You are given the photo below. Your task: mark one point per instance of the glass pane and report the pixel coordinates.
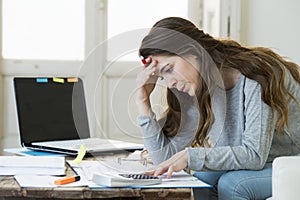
(47, 29)
(129, 15)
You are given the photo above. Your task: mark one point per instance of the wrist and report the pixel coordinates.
(144, 108)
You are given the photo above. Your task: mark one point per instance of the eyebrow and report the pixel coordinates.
(163, 68)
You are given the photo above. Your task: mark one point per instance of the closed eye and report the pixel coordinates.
(169, 70)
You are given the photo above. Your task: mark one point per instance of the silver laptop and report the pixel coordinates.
(52, 116)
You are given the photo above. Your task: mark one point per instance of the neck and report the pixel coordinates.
(230, 77)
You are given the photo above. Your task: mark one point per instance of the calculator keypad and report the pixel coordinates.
(138, 176)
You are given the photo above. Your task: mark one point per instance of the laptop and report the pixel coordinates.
(52, 116)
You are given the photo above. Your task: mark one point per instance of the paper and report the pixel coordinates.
(58, 80)
(110, 166)
(29, 152)
(42, 80)
(72, 80)
(179, 179)
(43, 181)
(38, 165)
(80, 156)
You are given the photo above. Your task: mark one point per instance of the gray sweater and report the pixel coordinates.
(243, 135)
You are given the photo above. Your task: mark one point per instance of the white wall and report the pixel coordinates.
(273, 24)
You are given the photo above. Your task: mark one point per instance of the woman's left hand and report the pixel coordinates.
(176, 163)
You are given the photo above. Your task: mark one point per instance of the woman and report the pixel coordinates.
(231, 109)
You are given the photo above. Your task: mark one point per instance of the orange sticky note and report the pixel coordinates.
(72, 80)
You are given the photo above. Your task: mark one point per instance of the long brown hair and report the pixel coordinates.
(177, 36)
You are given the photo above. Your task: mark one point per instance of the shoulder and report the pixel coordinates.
(250, 85)
(252, 91)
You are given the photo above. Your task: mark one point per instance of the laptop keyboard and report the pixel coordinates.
(90, 143)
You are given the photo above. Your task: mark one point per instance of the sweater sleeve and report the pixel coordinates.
(161, 147)
(254, 148)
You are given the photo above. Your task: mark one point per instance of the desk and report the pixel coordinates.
(10, 190)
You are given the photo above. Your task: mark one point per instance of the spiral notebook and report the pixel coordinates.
(52, 116)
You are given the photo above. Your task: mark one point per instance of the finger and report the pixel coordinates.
(159, 171)
(146, 62)
(146, 73)
(150, 172)
(170, 171)
(151, 63)
(149, 71)
(152, 71)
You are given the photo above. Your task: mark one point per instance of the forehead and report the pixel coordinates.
(164, 60)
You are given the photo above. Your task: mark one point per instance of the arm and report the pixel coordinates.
(159, 146)
(252, 153)
(256, 141)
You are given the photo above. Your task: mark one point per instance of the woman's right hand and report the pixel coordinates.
(146, 81)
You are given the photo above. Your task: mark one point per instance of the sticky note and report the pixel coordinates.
(42, 80)
(72, 80)
(58, 80)
(80, 155)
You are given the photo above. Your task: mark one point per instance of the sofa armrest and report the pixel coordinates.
(286, 178)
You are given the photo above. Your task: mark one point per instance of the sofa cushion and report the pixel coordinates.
(286, 178)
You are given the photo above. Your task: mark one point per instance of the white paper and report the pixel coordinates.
(37, 161)
(6, 171)
(29, 152)
(111, 166)
(178, 179)
(44, 181)
(37, 165)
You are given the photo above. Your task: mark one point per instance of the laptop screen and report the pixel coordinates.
(50, 109)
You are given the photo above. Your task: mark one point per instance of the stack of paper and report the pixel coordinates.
(37, 165)
(87, 169)
(29, 152)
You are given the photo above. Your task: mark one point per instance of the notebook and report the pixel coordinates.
(52, 116)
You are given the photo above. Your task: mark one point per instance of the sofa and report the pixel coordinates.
(286, 178)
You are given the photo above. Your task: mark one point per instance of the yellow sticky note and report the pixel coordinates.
(58, 80)
(80, 155)
(72, 80)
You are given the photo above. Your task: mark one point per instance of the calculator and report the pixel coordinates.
(124, 180)
(138, 176)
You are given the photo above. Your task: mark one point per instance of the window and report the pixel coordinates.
(130, 15)
(144, 13)
(48, 29)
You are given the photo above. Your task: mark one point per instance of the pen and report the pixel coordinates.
(143, 60)
(66, 180)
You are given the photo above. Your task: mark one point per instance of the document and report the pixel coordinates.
(87, 169)
(43, 181)
(28, 152)
(34, 165)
